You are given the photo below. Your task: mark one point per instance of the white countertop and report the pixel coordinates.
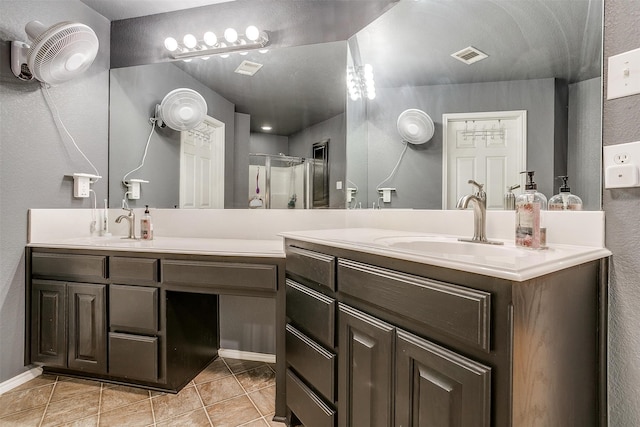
(505, 261)
(176, 245)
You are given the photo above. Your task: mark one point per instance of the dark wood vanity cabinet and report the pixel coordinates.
(420, 345)
(146, 319)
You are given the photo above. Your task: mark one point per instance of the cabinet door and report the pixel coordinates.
(365, 369)
(87, 327)
(48, 314)
(436, 387)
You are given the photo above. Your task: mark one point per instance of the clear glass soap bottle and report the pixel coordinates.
(530, 208)
(565, 201)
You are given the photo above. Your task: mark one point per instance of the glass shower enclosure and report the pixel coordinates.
(278, 182)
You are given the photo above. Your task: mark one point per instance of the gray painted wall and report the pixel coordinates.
(621, 123)
(135, 94)
(33, 156)
(584, 146)
(418, 180)
(243, 131)
(263, 143)
(334, 129)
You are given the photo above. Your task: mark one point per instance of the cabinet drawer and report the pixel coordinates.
(455, 310)
(317, 267)
(312, 362)
(218, 274)
(307, 406)
(133, 308)
(312, 312)
(133, 270)
(89, 268)
(133, 356)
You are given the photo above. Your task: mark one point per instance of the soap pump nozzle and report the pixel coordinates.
(564, 188)
(530, 185)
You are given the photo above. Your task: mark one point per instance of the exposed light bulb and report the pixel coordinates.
(205, 58)
(190, 41)
(171, 44)
(263, 50)
(371, 94)
(210, 39)
(252, 33)
(186, 60)
(354, 96)
(266, 127)
(231, 35)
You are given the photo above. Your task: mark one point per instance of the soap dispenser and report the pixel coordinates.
(146, 226)
(510, 198)
(530, 207)
(565, 201)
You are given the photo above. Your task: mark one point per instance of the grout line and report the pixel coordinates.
(48, 401)
(202, 403)
(100, 403)
(153, 413)
(243, 389)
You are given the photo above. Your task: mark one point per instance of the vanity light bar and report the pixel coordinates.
(210, 45)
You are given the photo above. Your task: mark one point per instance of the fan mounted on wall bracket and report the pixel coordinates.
(415, 126)
(57, 54)
(181, 109)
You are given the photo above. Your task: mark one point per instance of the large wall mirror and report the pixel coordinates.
(544, 57)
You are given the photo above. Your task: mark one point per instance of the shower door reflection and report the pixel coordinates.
(278, 182)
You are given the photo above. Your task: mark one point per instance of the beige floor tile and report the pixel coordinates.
(118, 396)
(260, 422)
(197, 418)
(171, 405)
(136, 414)
(28, 418)
(265, 399)
(232, 412)
(72, 387)
(218, 390)
(91, 421)
(18, 401)
(77, 407)
(237, 365)
(216, 370)
(257, 378)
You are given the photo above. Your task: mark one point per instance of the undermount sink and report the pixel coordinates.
(443, 245)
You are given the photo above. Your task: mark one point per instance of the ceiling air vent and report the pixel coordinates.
(248, 68)
(469, 55)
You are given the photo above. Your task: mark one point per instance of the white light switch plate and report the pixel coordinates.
(621, 165)
(623, 78)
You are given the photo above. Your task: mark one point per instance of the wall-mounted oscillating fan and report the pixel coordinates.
(58, 53)
(415, 126)
(181, 109)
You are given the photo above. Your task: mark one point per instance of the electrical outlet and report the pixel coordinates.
(622, 165)
(621, 158)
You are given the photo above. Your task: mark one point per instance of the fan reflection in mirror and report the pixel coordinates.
(183, 110)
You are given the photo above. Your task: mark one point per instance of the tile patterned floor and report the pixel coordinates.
(227, 393)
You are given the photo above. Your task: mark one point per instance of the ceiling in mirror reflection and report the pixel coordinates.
(412, 43)
(296, 87)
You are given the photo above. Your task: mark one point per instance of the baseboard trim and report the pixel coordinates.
(20, 379)
(247, 355)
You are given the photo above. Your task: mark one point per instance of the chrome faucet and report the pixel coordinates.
(132, 222)
(479, 199)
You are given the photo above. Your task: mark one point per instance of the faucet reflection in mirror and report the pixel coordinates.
(190, 47)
